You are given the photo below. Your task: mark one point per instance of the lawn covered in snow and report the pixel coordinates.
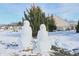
(10, 41)
(65, 39)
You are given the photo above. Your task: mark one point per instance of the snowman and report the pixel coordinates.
(26, 36)
(43, 43)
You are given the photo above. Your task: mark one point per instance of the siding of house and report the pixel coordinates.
(62, 24)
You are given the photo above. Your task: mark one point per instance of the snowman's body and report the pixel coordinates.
(26, 35)
(43, 43)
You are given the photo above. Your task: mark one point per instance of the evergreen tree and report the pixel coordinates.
(36, 17)
(51, 24)
(77, 27)
(19, 23)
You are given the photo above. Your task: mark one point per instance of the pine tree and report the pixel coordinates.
(77, 27)
(36, 17)
(19, 23)
(51, 24)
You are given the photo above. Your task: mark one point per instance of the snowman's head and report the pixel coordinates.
(26, 23)
(42, 27)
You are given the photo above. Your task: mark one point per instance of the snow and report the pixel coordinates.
(65, 39)
(10, 41)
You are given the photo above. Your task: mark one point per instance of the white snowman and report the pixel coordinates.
(26, 35)
(43, 43)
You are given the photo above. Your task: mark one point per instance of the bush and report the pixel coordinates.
(77, 27)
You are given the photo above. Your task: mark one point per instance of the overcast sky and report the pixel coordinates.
(13, 12)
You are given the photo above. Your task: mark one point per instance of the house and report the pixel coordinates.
(63, 25)
(10, 27)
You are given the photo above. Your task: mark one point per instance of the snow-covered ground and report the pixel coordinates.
(65, 39)
(10, 41)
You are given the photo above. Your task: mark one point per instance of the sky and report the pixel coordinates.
(13, 12)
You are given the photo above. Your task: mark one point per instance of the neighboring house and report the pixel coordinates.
(10, 27)
(62, 24)
(73, 24)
